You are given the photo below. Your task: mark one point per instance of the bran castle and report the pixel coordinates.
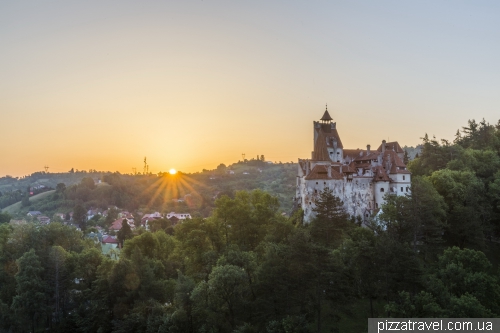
(360, 178)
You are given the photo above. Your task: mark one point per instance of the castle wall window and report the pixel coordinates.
(381, 190)
(403, 177)
(401, 189)
(316, 183)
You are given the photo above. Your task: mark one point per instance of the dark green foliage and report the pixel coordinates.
(80, 217)
(125, 232)
(331, 221)
(4, 217)
(248, 268)
(417, 218)
(28, 304)
(26, 201)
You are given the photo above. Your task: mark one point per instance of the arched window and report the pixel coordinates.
(381, 189)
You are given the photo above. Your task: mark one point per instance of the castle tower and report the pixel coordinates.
(327, 143)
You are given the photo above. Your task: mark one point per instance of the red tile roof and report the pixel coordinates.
(393, 145)
(109, 240)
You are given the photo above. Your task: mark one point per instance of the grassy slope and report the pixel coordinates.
(14, 208)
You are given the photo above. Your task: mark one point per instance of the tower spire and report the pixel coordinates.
(326, 116)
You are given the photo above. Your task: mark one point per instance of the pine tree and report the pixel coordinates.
(331, 219)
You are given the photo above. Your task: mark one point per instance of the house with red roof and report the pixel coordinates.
(117, 224)
(109, 240)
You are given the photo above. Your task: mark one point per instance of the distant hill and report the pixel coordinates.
(192, 193)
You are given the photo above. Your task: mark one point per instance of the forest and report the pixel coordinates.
(246, 267)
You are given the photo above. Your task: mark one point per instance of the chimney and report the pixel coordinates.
(383, 146)
(368, 149)
(329, 171)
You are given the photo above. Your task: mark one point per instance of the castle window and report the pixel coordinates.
(403, 177)
(316, 183)
(376, 205)
(381, 190)
(401, 189)
(338, 153)
(315, 191)
(406, 188)
(324, 183)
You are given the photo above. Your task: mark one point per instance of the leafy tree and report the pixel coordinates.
(87, 182)
(5, 217)
(464, 195)
(30, 292)
(224, 295)
(80, 217)
(61, 187)
(417, 218)
(26, 200)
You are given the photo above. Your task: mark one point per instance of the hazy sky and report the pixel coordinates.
(191, 84)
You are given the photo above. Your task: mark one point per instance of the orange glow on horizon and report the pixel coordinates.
(172, 171)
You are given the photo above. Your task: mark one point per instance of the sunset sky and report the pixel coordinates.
(191, 84)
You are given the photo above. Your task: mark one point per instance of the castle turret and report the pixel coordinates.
(327, 143)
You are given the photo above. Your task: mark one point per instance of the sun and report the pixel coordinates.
(172, 171)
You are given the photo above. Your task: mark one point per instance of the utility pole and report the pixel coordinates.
(46, 169)
(243, 155)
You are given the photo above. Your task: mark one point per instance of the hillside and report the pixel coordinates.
(191, 193)
(16, 208)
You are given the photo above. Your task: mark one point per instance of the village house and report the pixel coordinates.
(361, 178)
(179, 216)
(117, 224)
(43, 219)
(34, 213)
(150, 217)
